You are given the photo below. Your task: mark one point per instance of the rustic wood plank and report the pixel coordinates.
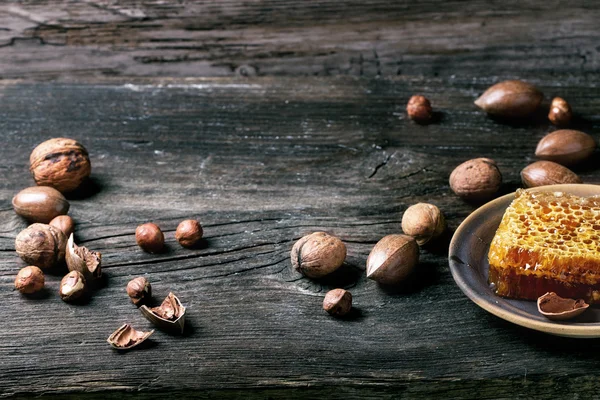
(262, 162)
(58, 38)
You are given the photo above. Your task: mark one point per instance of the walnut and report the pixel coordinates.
(476, 180)
(60, 163)
(41, 245)
(424, 222)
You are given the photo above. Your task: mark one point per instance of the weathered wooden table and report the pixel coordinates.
(215, 114)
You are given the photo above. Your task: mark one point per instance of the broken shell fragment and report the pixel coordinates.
(169, 316)
(126, 337)
(81, 259)
(554, 307)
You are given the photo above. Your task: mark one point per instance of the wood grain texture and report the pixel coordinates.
(261, 162)
(58, 38)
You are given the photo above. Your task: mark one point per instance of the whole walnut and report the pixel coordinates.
(476, 180)
(60, 163)
(318, 254)
(424, 222)
(41, 245)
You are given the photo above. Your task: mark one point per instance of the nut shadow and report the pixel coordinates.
(538, 119)
(355, 314)
(345, 276)
(145, 345)
(42, 294)
(439, 246)
(88, 189)
(436, 118)
(426, 274)
(200, 245)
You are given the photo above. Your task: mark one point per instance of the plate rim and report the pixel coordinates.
(575, 330)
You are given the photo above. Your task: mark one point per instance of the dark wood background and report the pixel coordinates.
(268, 120)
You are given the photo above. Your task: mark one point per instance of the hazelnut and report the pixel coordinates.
(566, 147)
(419, 109)
(189, 233)
(424, 222)
(64, 223)
(510, 99)
(60, 163)
(41, 245)
(392, 259)
(560, 112)
(29, 280)
(139, 290)
(40, 204)
(476, 180)
(318, 254)
(542, 173)
(149, 237)
(338, 302)
(72, 286)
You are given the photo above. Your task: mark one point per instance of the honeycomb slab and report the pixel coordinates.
(547, 242)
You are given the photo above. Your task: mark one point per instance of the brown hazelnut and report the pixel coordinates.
(60, 163)
(318, 254)
(64, 223)
(40, 204)
(424, 222)
(560, 112)
(149, 237)
(542, 173)
(29, 280)
(79, 258)
(72, 286)
(566, 147)
(189, 233)
(139, 290)
(510, 99)
(419, 109)
(476, 180)
(393, 259)
(41, 245)
(338, 302)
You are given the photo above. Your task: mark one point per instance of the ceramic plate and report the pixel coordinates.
(469, 265)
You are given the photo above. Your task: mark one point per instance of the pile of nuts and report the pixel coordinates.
(391, 261)
(60, 166)
(480, 179)
(394, 258)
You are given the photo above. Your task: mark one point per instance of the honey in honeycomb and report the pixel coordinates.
(547, 242)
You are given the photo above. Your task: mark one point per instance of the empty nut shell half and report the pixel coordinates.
(169, 316)
(81, 259)
(126, 337)
(557, 308)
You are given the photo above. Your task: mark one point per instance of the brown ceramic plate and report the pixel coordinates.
(469, 265)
